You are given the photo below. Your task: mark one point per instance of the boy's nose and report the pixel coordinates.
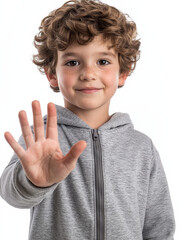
(87, 73)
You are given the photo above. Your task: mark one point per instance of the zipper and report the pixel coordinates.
(99, 186)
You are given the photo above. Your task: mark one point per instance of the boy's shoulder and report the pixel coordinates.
(141, 140)
(141, 136)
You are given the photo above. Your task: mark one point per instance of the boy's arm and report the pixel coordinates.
(159, 221)
(37, 168)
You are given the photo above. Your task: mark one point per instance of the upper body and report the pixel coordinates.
(80, 188)
(117, 190)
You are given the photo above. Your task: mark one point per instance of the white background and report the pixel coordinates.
(151, 95)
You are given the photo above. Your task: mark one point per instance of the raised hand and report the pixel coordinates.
(43, 161)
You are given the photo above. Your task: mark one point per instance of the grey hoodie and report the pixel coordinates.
(117, 191)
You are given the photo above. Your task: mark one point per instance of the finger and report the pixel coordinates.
(74, 153)
(18, 149)
(51, 131)
(37, 121)
(26, 130)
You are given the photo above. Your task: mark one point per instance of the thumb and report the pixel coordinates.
(72, 156)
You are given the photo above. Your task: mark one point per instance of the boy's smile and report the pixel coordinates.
(88, 76)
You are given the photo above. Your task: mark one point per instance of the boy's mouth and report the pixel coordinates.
(89, 89)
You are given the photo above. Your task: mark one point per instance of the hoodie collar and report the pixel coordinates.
(67, 117)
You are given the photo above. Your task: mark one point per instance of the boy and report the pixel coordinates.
(85, 174)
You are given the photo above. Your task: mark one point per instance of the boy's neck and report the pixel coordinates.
(93, 117)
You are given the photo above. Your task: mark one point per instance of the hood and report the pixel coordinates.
(67, 117)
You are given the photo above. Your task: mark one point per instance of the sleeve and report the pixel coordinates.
(159, 221)
(16, 189)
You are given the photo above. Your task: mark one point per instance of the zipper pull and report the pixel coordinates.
(95, 134)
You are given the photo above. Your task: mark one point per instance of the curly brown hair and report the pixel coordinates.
(80, 21)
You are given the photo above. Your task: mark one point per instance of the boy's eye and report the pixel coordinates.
(72, 63)
(103, 62)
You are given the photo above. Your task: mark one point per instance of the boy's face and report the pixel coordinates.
(88, 66)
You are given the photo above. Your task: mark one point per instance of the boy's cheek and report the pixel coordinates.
(66, 82)
(111, 77)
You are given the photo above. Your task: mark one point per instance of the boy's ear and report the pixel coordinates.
(122, 79)
(52, 79)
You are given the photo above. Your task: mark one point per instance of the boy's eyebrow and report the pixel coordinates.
(72, 54)
(108, 54)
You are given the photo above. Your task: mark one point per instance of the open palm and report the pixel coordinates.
(43, 161)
